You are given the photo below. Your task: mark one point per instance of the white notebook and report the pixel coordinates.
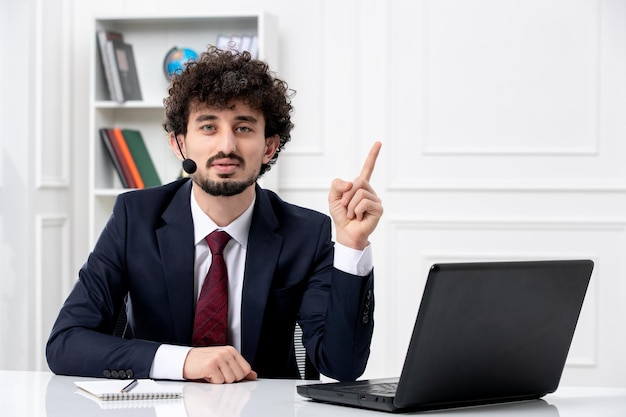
(145, 389)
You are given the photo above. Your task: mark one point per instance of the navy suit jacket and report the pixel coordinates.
(145, 255)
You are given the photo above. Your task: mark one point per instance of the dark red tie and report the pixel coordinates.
(211, 322)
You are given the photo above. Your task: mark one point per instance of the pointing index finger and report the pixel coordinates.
(370, 161)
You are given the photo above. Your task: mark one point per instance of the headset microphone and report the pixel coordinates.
(189, 165)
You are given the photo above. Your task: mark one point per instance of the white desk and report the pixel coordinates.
(37, 394)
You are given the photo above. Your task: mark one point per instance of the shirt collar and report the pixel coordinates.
(238, 229)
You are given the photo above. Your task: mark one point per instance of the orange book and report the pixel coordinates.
(128, 157)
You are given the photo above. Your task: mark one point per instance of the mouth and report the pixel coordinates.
(225, 166)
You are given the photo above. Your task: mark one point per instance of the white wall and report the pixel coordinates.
(503, 124)
(35, 166)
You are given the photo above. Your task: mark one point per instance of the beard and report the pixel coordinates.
(225, 187)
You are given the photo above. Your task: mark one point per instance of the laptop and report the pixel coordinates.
(486, 332)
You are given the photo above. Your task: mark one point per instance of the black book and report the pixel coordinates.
(127, 70)
(104, 135)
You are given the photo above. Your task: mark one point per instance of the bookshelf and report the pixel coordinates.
(152, 37)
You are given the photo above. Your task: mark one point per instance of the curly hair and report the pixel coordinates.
(217, 79)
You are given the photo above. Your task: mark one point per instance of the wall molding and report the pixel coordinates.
(575, 185)
(50, 96)
(51, 276)
(585, 350)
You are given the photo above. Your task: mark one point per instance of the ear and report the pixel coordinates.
(176, 144)
(271, 145)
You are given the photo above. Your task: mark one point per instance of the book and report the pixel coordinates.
(239, 43)
(106, 56)
(142, 158)
(117, 94)
(246, 42)
(235, 43)
(254, 47)
(222, 42)
(127, 157)
(126, 71)
(145, 389)
(116, 157)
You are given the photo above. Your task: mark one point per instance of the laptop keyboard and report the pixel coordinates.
(383, 388)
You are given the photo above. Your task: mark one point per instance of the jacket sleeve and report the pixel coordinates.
(81, 341)
(336, 316)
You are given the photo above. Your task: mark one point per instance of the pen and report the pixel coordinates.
(129, 387)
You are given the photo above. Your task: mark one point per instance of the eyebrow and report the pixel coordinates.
(243, 118)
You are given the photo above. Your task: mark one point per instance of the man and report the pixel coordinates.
(228, 118)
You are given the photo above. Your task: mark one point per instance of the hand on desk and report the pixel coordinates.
(355, 207)
(217, 365)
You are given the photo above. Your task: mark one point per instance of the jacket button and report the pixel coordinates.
(106, 373)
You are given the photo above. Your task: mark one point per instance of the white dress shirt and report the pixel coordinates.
(170, 359)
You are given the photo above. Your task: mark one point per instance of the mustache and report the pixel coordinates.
(222, 155)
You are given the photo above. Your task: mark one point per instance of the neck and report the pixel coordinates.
(223, 210)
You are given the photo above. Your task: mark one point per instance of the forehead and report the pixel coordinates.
(233, 109)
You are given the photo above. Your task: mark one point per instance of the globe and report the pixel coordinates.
(176, 59)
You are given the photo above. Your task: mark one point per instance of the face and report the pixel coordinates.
(229, 146)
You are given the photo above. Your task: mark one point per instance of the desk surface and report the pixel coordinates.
(44, 394)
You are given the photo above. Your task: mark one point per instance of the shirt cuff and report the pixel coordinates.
(169, 362)
(353, 261)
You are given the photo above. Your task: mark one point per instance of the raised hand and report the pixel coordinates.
(354, 206)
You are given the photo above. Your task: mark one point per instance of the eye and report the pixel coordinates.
(244, 129)
(207, 128)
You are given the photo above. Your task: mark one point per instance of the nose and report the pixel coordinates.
(227, 142)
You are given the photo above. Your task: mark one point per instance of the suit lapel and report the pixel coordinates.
(262, 256)
(176, 246)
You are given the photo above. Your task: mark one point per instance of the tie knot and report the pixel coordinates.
(217, 240)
